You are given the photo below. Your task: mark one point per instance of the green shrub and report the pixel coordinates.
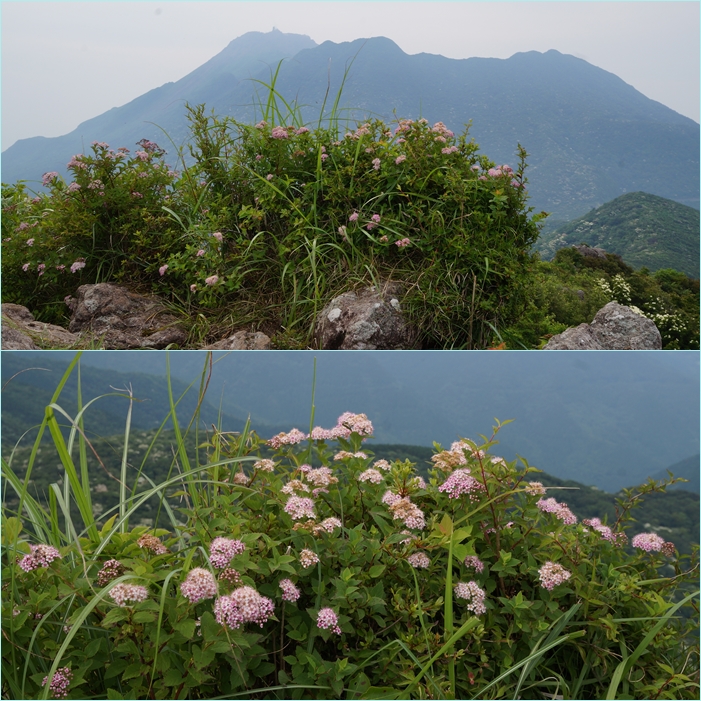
(322, 573)
(272, 220)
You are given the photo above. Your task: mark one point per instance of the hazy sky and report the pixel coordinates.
(65, 62)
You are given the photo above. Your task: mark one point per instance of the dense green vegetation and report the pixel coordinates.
(645, 230)
(674, 514)
(274, 220)
(569, 290)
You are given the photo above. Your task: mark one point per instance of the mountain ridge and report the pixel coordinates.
(591, 136)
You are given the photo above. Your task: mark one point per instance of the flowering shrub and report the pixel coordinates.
(276, 219)
(466, 581)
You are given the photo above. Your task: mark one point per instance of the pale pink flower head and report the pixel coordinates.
(30, 242)
(265, 465)
(418, 560)
(110, 570)
(200, 253)
(473, 562)
(78, 265)
(292, 438)
(353, 217)
(649, 542)
(218, 236)
(269, 176)
(60, 682)
(472, 593)
(300, 507)
(561, 511)
(213, 280)
(370, 475)
(376, 163)
(222, 550)
(123, 594)
(199, 585)
(162, 270)
(193, 288)
(320, 476)
(400, 159)
(307, 558)
(327, 619)
(25, 267)
(382, 465)
(40, 556)
(535, 489)
(551, 574)
(352, 423)
(48, 178)
(461, 482)
(243, 605)
(289, 591)
(401, 243)
(405, 510)
(301, 130)
(279, 133)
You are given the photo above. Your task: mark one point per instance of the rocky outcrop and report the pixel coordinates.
(614, 327)
(21, 331)
(242, 340)
(364, 320)
(119, 319)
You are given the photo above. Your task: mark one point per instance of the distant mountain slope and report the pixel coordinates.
(591, 136)
(688, 469)
(644, 229)
(608, 420)
(25, 397)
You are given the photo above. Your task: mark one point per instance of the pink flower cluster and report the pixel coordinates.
(419, 561)
(300, 507)
(561, 511)
(328, 525)
(222, 550)
(472, 593)
(294, 486)
(535, 489)
(243, 605)
(212, 280)
(401, 243)
(279, 133)
(265, 465)
(150, 542)
(400, 159)
(376, 163)
(475, 563)
(346, 455)
(370, 475)
(374, 221)
(307, 558)
(289, 590)
(199, 584)
(327, 618)
(292, 438)
(649, 542)
(110, 570)
(40, 556)
(78, 265)
(404, 509)
(320, 477)
(461, 482)
(60, 682)
(48, 178)
(122, 594)
(551, 574)
(354, 423)
(605, 531)
(382, 464)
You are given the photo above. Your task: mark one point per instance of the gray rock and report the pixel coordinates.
(242, 340)
(364, 320)
(20, 331)
(121, 319)
(615, 327)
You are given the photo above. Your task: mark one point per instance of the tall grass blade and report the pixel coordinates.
(625, 666)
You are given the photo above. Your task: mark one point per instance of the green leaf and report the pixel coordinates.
(144, 617)
(186, 628)
(173, 677)
(133, 670)
(382, 692)
(113, 693)
(114, 616)
(11, 528)
(376, 570)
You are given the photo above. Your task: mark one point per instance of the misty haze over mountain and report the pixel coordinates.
(604, 419)
(591, 137)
